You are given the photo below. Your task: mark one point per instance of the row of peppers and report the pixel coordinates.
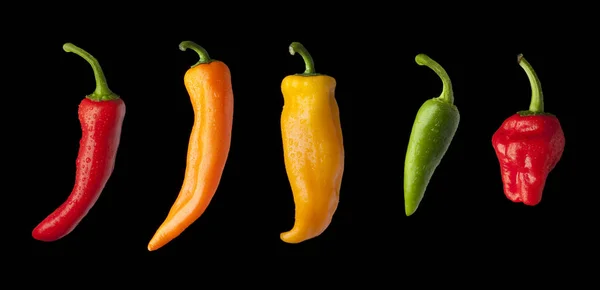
(528, 146)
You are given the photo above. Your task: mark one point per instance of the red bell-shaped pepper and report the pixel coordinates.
(528, 145)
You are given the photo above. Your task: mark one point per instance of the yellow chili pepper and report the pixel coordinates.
(313, 148)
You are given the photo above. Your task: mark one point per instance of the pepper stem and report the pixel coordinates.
(308, 60)
(202, 53)
(102, 92)
(537, 97)
(447, 94)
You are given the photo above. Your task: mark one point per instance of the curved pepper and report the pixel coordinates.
(101, 117)
(208, 83)
(432, 132)
(313, 148)
(528, 146)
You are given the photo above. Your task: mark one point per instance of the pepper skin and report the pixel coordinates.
(528, 146)
(101, 116)
(313, 148)
(208, 83)
(432, 132)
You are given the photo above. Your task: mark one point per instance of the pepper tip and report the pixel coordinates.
(409, 210)
(151, 247)
(519, 57)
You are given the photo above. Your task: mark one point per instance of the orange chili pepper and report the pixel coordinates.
(208, 83)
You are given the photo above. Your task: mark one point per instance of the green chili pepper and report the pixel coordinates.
(431, 135)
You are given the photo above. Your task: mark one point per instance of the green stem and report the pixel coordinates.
(308, 60)
(537, 97)
(447, 94)
(102, 92)
(202, 53)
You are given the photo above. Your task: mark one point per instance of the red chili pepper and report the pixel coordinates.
(101, 116)
(528, 145)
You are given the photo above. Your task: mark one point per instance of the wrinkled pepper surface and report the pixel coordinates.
(208, 83)
(528, 146)
(313, 148)
(432, 132)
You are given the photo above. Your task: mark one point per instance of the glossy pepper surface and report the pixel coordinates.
(528, 146)
(433, 130)
(313, 148)
(208, 83)
(101, 117)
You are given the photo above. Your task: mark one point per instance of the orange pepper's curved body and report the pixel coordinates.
(313, 150)
(209, 86)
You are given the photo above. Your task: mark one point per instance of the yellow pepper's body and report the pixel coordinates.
(313, 152)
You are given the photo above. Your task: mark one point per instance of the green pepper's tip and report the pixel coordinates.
(409, 210)
(519, 57)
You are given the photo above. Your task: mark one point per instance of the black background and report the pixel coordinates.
(379, 90)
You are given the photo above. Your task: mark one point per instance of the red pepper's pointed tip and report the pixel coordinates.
(529, 201)
(40, 234)
(532, 202)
